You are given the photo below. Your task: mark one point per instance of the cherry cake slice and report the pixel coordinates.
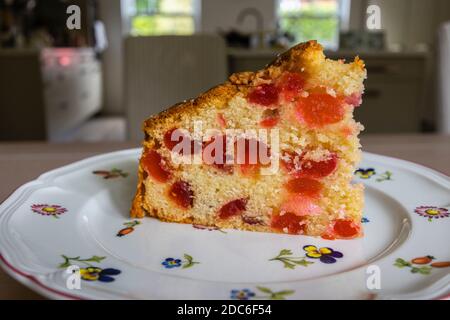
(304, 104)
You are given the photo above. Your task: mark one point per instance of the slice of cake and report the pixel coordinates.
(270, 151)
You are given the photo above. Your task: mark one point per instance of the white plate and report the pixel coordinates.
(73, 212)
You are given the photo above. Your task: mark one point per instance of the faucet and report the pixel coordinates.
(259, 23)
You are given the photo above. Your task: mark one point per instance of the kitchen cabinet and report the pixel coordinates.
(46, 94)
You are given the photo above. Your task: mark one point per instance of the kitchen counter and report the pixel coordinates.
(22, 162)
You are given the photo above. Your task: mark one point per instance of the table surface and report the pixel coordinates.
(22, 162)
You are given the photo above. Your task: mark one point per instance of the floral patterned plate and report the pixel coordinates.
(68, 235)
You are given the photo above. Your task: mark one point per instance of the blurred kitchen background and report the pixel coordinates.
(134, 58)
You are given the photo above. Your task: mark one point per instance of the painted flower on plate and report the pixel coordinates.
(171, 263)
(432, 212)
(185, 263)
(98, 274)
(48, 210)
(114, 173)
(325, 255)
(365, 173)
(129, 228)
(244, 294)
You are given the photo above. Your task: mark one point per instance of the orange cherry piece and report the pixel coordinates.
(181, 193)
(154, 164)
(233, 208)
(346, 228)
(320, 109)
(319, 169)
(289, 222)
(304, 186)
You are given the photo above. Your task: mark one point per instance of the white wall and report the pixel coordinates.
(222, 14)
(407, 23)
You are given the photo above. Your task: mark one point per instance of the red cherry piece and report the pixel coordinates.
(289, 222)
(319, 169)
(291, 84)
(233, 208)
(264, 95)
(355, 100)
(221, 120)
(155, 166)
(269, 123)
(168, 141)
(270, 118)
(346, 228)
(305, 186)
(181, 193)
(175, 136)
(318, 109)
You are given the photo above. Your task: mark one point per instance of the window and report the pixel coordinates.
(311, 19)
(161, 17)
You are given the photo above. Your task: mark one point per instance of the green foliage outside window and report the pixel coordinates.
(317, 20)
(163, 17)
